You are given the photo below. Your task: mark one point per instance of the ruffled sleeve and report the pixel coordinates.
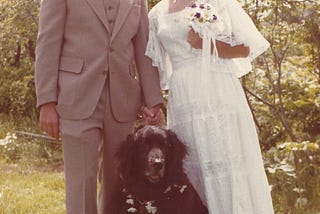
(156, 51)
(245, 32)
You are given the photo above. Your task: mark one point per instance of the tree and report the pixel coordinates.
(18, 30)
(275, 88)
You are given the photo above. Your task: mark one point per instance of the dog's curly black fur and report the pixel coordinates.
(171, 192)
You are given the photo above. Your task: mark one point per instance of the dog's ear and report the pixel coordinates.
(126, 158)
(177, 151)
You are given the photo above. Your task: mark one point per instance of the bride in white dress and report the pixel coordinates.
(211, 114)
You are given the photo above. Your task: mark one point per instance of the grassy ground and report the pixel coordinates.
(32, 180)
(26, 189)
(38, 188)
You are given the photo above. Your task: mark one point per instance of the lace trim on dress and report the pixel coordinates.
(241, 30)
(155, 49)
(245, 32)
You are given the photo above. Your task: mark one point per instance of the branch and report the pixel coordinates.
(258, 98)
(244, 85)
(28, 134)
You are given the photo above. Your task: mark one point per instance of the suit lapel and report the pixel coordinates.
(124, 8)
(99, 9)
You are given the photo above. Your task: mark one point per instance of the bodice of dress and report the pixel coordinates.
(168, 47)
(172, 32)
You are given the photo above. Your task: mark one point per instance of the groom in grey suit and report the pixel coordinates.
(92, 80)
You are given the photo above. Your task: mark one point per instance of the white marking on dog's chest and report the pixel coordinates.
(136, 205)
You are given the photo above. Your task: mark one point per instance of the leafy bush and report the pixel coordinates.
(18, 96)
(18, 30)
(288, 110)
(20, 141)
(294, 172)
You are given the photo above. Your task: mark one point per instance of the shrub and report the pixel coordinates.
(294, 172)
(21, 142)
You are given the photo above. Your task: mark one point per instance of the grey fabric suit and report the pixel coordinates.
(86, 62)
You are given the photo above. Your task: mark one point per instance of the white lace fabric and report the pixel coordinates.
(212, 117)
(238, 29)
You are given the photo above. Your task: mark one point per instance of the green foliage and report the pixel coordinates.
(31, 178)
(18, 30)
(293, 170)
(300, 102)
(18, 95)
(152, 3)
(284, 87)
(17, 144)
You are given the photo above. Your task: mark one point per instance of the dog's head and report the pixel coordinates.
(151, 154)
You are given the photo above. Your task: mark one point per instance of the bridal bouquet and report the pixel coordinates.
(203, 18)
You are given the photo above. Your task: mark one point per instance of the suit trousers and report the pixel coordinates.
(88, 144)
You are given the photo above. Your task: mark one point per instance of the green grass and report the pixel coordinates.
(37, 187)
(28, 190)
(32, 180)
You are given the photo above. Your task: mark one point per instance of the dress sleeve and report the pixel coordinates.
(245, 32)
(157, 53)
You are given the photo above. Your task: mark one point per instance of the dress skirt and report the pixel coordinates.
(210, 114)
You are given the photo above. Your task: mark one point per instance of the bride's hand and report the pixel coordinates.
(225, 50)
(194, 39)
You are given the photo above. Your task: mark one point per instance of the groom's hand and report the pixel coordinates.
(49, 119)
(151, 116)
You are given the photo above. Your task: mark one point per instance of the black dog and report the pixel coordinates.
(152, 176)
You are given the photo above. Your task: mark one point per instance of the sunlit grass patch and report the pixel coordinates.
(26, 192)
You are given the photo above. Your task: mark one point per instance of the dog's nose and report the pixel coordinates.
(156, 159)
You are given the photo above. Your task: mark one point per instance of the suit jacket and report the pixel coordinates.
(76, 54)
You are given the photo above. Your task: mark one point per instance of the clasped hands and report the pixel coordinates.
(150, 116)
